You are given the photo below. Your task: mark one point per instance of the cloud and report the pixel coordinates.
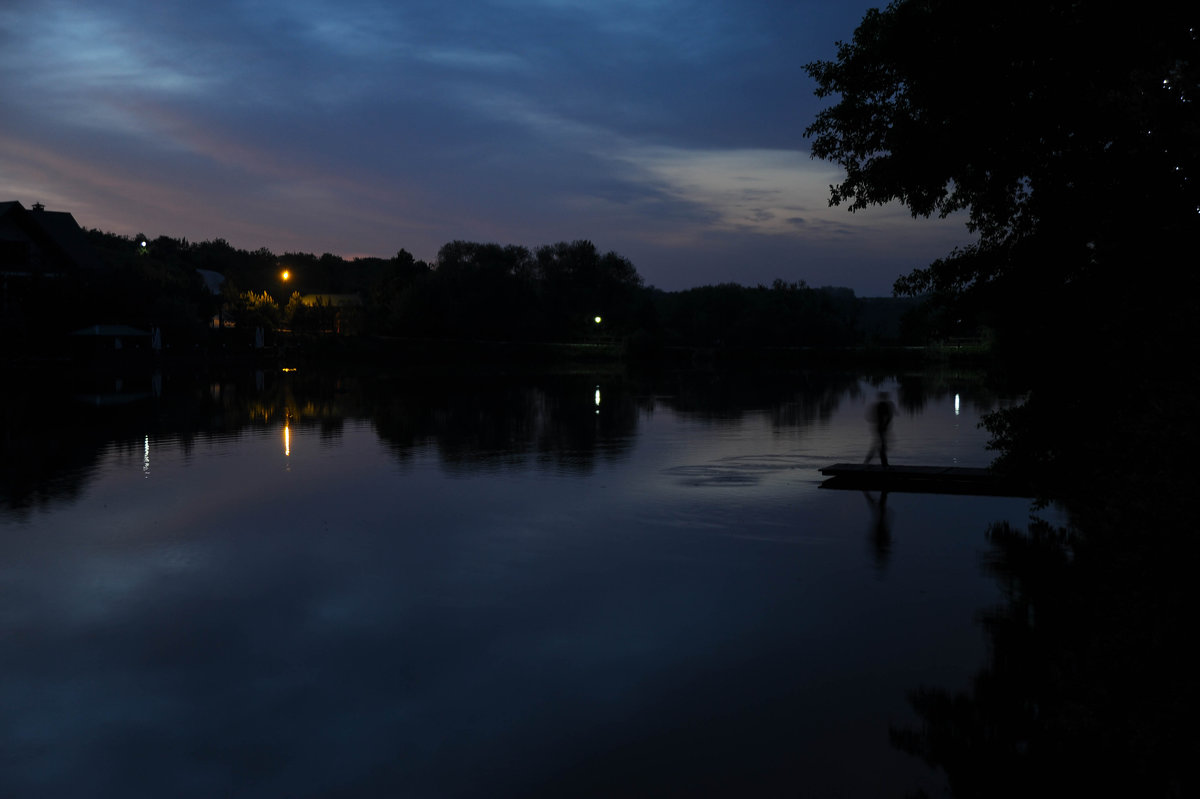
(760, 191)
(669, 129)
(85, 50)
(743, 190)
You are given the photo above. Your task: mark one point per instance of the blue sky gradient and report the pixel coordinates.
(669, 131)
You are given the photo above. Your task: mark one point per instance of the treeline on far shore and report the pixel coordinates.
(569, 292)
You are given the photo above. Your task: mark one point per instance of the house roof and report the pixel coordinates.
(212, 280)
(54, 230)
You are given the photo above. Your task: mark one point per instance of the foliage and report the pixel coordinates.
(1066, 131)
(577, 284)
(152, 286)
(391, 291)
(507, 292)
(783, 315)
(472, 291)
(253, 310)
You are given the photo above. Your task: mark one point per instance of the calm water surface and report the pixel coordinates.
(291, 586)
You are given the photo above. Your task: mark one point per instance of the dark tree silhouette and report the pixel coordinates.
(578, 283)
(1065, 131)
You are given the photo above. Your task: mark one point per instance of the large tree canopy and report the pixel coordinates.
(1066, 130)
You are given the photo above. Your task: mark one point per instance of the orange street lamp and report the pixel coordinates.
(285, 275)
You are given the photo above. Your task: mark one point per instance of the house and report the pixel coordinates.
(332, 300)
(41, 243)
(331, 313)
(37, 245)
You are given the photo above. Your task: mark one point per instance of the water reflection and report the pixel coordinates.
(475, 423)
(456, 587)
(1087, 690)
(881, 529)
(52, 440)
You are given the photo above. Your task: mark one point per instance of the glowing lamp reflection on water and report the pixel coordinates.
(957, 404)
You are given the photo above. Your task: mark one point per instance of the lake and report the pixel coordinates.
(296, 584)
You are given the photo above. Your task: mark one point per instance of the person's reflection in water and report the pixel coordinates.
(881, 530)
(880, 415)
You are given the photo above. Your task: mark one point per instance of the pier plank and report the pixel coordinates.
(921, 479)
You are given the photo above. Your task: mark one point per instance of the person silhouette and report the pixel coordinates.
(880, 414)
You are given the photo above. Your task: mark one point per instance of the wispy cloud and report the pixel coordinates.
(668, 127)
(766, 192)
(80, 49)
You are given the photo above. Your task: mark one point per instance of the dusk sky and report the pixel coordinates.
(670, 131)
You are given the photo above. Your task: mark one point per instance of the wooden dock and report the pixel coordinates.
(922, 479)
